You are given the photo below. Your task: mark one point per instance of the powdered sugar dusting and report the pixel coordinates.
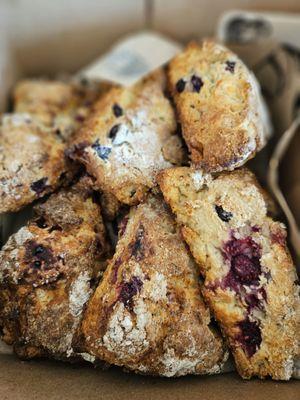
(79, 293)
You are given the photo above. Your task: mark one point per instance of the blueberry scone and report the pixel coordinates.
(147, 313)
(32, 161)
(219, 106)
(57, 104)
(48, 270)
(249, 277)
(130, 136)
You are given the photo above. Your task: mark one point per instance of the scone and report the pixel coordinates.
(147, 313)
(48, 270)
(60, 105)
(130, 136)
(249, 277)
(218, 103)
(32, 161)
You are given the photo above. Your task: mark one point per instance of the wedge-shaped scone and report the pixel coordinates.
(48, 270)
(32, 161)
(57, 104)
(130, 136)
(249, 277)
(218, 103)
(147, 314)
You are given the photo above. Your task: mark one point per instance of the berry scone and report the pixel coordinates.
(224, 120)
(57, 104)
(48, 270)
(249, 277)
(147, 313)
(129, 137)
(32, 161)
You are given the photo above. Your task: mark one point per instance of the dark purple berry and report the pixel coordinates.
(137, 247)
(197, 83)
(180, 85)
(102, 151)
(37, 264)
(117, 110)
(250, 336)
(245, 269)
(129, 290)
(230, 66)
(39, 249)
(113, 132)
(39, 186)
(222, 214)
(41, 223)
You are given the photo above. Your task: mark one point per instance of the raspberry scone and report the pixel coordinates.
(48, 270)
(219, 106)
(147, 313)
(32, 161)
(57, 104)
(249, 277)
(129, 137)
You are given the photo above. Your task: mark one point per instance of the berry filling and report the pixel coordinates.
(117, 110)
(137, 247)
(222, 214)
(113, 132)
(129, 290)
(230, 65)
(197, 83)
(102, 151)
(39, 186)
(249, 336)
(180, 85)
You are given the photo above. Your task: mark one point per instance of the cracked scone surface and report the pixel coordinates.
(60, 105)
(48, 270)
(249, 277)
(147, 313)
(130, 136)
(32, 161)
(218, 105)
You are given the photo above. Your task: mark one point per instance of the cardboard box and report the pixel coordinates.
(38, 38)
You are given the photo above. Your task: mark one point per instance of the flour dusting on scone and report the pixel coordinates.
(32, 161)
(249, 277)
(130, 136)
(147, 313)
(48, 271)
(219, 106)
(61, 105)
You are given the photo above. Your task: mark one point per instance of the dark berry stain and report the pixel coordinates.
(137, 247)
(129, 290)
(180, 85)
(230, 65)
(40, 265)
(222, 214)
(249, 336)
(39, 186)
(243, 255)
(197, 83)
(122, 226)
(41, 223)
(113, 132)
(115, 269)
(102, 151)
(117, 110)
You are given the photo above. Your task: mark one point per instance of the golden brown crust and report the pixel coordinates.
(32, 161)
(147, 313)
(250, 281)
(218, 106)
(47, 271)
(60, 105)
(130, 136)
